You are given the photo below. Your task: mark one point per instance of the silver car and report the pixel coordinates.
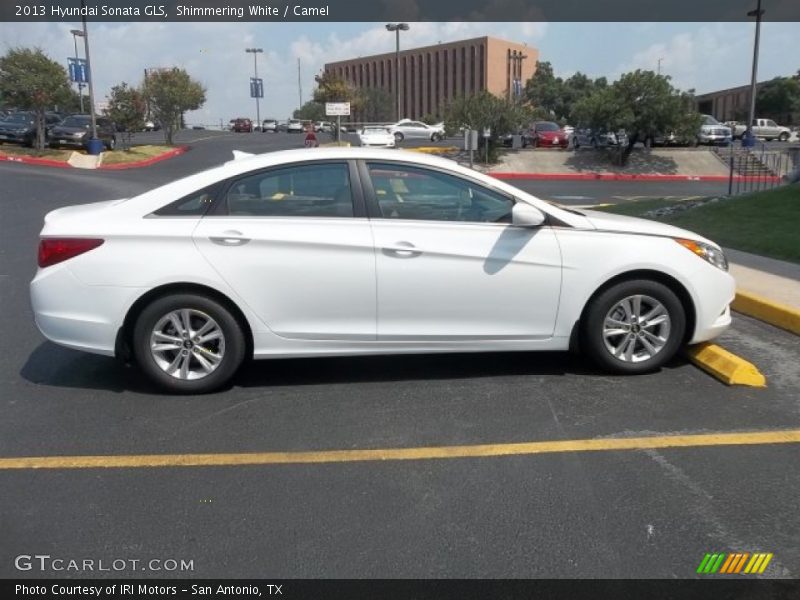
(408, 129)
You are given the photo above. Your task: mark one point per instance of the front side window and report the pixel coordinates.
(311, 190)
(406, 192)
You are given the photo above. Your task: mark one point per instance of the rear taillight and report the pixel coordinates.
(55, 250)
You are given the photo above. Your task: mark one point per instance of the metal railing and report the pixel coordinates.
(758, 168)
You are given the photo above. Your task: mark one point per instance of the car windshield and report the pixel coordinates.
(76, 121)
(19, 118)
(709, 120)
(546, 127)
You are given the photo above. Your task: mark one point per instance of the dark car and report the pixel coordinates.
(241, 125)
(75, 130)
(546, 134)
(20, 127)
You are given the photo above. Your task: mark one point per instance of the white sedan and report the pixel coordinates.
(376, 137)
(408, 129)
(351, 251)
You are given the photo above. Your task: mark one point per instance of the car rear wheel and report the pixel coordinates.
(111, 143)
(188, 343)
(633, 327)
(398, 137)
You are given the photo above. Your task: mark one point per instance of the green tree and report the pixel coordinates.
(331, 88)
(310, 111)
(375, 105)
(29, 79)
(127, 108)
(485, 110)
(556, 97)
(641, 103)
(778, 98)
(170, 93)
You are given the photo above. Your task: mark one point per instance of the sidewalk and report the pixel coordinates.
(775, 280)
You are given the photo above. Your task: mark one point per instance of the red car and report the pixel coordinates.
(243, 126)
(546, 134)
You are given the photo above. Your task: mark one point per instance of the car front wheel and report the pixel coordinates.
(784, 137)
(633, 327)
(188, 343)
(398, 137)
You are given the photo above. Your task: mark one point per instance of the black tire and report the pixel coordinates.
(398, 137)
(111, 143)
(234, 340)
(592, 326)
(435, 137)
(575, 143)
(784, 137)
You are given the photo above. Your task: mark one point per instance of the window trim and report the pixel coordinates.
(212, 190)
(373, 210)
(359, 210)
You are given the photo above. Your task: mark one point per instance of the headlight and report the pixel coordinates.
(706, 251)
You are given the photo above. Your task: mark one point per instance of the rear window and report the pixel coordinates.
(195, 204)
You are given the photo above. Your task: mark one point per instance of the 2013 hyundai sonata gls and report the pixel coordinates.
(346, 251)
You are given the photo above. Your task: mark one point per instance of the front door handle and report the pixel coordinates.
(230, 238)
(402, 250)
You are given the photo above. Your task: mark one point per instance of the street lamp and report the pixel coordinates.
(516, 74)
(757, 13)
(89, 71)
(76, 33)
(255, 52)
(397, 28)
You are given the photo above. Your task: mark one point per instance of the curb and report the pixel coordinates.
(623, 177)
(147, 162)
(31, 160)
(764, 309)
(725, 366)
(434, 149)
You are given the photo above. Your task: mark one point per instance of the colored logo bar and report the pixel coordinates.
(736, 562)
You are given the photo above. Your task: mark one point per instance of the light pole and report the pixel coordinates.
(255, 52)
(397, 28)
(76, 33)
(757, 13)
(658, 72)
(89, 71)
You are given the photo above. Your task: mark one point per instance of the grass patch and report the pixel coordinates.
(48, 153)
(134, 154)
(766, 223)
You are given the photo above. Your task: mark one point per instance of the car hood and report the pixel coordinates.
(621, 223)
(62, 129)
(550, 134)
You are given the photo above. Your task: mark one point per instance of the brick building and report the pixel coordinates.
(433, 75)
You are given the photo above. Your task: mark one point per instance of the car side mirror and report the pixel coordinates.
(525, 215)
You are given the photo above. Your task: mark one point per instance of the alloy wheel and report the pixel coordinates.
(187, 344)
(636, 328)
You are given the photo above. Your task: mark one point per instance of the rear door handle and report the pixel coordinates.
(230, 238)
(402, 250)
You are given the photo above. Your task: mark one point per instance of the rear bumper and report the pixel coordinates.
(73, 314)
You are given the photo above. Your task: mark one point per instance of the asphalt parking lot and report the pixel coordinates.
(649, 513)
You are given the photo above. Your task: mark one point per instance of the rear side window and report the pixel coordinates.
(312, 190)
(195, 204)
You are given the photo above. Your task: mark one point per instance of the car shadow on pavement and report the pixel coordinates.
(53, 365)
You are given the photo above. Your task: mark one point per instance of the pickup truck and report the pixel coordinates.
(763, 128)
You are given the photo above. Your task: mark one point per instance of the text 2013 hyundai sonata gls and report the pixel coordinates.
(348, 251)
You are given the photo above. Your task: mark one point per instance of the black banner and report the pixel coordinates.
(406, 589)
(405, 10)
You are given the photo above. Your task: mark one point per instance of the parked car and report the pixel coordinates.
(381, 137)
(417, 130)
(546, 134)
(75, 130)
(242, 125)
(763, 128)
(713, 132)
(508, 139)
(20, 127)
(353, 251)
(153, 125)
(568, 130)
(597, 138)
(295, 126)
(269, 125)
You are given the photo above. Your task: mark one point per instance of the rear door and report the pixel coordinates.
(294, 243)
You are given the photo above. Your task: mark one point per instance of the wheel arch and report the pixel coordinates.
(124, 340)
(659, 276)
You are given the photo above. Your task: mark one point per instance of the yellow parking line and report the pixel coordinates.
(789, 436)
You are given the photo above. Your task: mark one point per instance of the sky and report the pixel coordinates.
(700, 56)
